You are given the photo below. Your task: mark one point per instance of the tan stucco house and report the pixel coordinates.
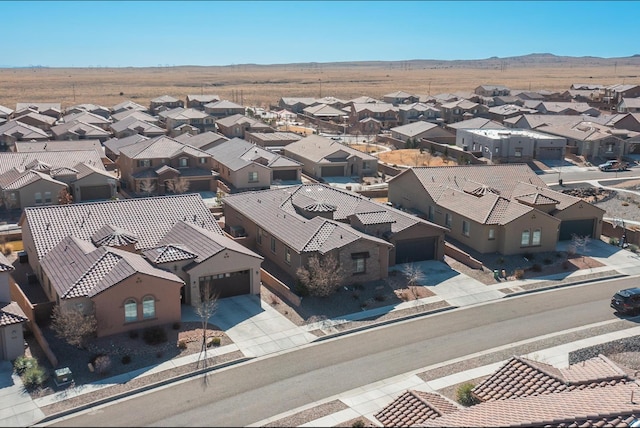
(12, 318)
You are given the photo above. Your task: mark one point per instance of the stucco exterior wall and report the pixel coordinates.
(11, 341)
(582, 211)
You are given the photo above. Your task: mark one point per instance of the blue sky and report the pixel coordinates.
(152, 33)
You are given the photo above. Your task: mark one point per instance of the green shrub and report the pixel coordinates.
(215, 341)
(34, 377)
(126, 359)
(102, 364)
(23, 363)
(614, 241)
(154, 335)
(358, 423)
(182, 344)
(301, 289)
(633, 248)
(464, 395)
(519, 273)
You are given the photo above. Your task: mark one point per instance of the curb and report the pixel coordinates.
(568, 284)
(141, 389)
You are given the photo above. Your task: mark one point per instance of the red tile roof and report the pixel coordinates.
(414, 407)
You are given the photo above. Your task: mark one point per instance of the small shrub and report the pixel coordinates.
(23, 363)
(633, 248)
(176, 326)
(215, 341)
(500, 260)
(159, 354)
(464, 396)
(566, 265)
(301, 289)
(625, 204)
(547, 261)
(34, 377)
(358, 423)
(154, 335)
(182, 344)
(126, 359)
(379, 298)
(102, 364)
(7, 250)
(614, 241)
(519, 273)
(355, 295)
(133, 334)
(359, 286)
(274, 300)
(537, 267)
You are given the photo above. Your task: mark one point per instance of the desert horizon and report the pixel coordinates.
(264, 85)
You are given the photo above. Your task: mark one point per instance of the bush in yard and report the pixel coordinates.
(126, 359)
(464, 395)
(358, 423)
(73, 326)
(537, 267)
(519, 273)
(322, 275)
(22, 363)
(182, 344)
(102, 364)
(34, 377)
(154, 335)
(614, 241)
(633, 248)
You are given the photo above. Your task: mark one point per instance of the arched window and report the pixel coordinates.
(148, 307)
(130, 310)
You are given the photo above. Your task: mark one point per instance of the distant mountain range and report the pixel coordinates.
(537, 59)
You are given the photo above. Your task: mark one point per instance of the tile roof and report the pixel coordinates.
(324, 110)
(78, 269)
(86, 117)
(5, 265)
(168, 253)
(27, 131)
(223, 104)
(599, 406)
(54, 159)
(181, 113)
(238, 153)
(79, 128)
(318, 148)
(39, 106)
(414, 128)
(134, 115)
(148, 218)
(415, 407)
(115, 144)
(378, 107)
(27, 177)
(201, 243)
(277, 211)
(135, 124)
(11, 313)
(160, 147)
(202, 139)
(165, 99)
(128, 105)
(42, 118)
(238, 119)
(203, 98)
(58, 145)
(113, 236)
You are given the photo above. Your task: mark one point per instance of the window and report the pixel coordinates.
(253, 176)
(537, 234)
(38, 197)
(447, 220)
(492, 233)
(431, 213)
(130, 310)
(144, 163)
(183, 162)
(287, 255)
(524, 238)
(202, 160)
(273, 244)
(359, 265)
(47, 197)
(148, 307)
(465, 228)
(518, 152)
(259, 236)
(497, 150)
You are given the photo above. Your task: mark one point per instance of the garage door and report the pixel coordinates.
(549, 153)
(233, 284)
(285, 175)
(576, 227)
(90, 193)
(199, 185)
(333, 171)
(415, 250)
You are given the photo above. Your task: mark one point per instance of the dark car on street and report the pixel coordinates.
(627, 301)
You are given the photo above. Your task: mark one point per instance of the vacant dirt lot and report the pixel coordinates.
(413, 157)
(264, 85)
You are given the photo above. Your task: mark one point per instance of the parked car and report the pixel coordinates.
(613, 165)
(627, 301)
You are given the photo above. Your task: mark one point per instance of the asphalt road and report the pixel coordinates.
(244, 394)
(571, 175)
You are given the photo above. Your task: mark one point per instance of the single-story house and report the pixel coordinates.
(506, 208)
(322, 157)
(243, 166)
(511, 145)
(291, 224)
(14, 130)
(272, 140)
(236, 125)
(77, 130)
(203, 141)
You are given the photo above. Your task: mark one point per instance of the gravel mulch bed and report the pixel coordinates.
(305, 416)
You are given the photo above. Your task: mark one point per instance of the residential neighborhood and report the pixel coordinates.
(140, 215)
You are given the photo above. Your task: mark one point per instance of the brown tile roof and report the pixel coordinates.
(11, 313)
(5, 265)
(78, 269)
(148, 218)
(53, 159)
(587, 407)
(160, 147)
(415, 407)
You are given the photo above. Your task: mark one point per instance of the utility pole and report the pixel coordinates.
(73, 87)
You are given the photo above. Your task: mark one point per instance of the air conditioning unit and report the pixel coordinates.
(237, 231)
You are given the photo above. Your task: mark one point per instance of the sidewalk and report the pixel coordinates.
(257, 329)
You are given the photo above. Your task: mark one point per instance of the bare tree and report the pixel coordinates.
(580, 243)
(178, 186)
(73, 326)
(64, 197)
(205, 310)
(414, 276)
(147, 186)
(322, 275)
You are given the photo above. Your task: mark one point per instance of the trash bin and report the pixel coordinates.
(560, 181)
(496, 274)
(22, 257)
(63, 376)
